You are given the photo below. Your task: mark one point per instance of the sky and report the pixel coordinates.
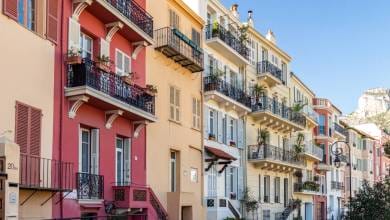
(339, 47)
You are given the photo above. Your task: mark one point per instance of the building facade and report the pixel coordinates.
(174, 66)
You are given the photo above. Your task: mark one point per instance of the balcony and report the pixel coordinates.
(276, 115)
(178, 47)
(274, 158)
(89, 186)
(319, 103)
(337, 185)
(37, 173)
(307, 188)
(340, 132)
(137, 23)
(270, 73)
(227, 94)
(134, 196)
(311, 116)
(108, 92)
(313, 152)
(227, 42)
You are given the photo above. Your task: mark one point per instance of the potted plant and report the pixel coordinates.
(212, 137)
(299, 146)
(243, 34)
(151, 89)
(258, 91)
(298, 107)
(386, 147)
(232, 143)
(73, 56)
(262, 139)
(104, 63)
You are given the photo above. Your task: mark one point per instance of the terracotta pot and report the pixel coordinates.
(103, 66)
(73, 59)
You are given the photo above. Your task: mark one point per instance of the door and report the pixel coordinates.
(308, 211)
(212, 182)
(285, 192)
(122, 161)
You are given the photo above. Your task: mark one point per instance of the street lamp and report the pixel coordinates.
(338, 151)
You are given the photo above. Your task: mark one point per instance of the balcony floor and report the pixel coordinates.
(269, 79)
(173, 54)
(275, 122)
(228, 52)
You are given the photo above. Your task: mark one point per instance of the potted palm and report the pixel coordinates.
(299, 147)
(151, 89)
(258, 91)
(73, 56)
(262, 140)
(104, 63)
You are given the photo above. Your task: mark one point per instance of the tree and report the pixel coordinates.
(371, 202)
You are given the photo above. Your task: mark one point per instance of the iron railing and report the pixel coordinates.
(135, 13)
(264, 103)
(213, 83)
(337, 185)
(270, 152)
(89, 186)
(45, 174)
(231, 38)
(340, 129)
(267, 67)
(190, 54)
(87, 74)
(314, 150)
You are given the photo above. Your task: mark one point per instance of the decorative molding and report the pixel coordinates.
(78, 102)
(138, 126)
(114, 27)
(111, 116)
(138, 47)
(82, 4)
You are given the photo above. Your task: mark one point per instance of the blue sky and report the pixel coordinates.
(339, 47)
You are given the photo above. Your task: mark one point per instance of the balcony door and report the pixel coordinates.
(86, 46)
(89, 151)
(122, 161)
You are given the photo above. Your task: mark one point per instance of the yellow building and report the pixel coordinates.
(26, 113)
(174, 144)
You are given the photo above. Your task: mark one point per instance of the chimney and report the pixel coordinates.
(250, 18)
(234, 10)
(270, 36)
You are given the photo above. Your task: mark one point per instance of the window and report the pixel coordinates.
(285, 192)
(267, 189)
(27, 13)
(194, 175)
(173, 171)
(264, 54)
(174, 19)
(231, 177)
(266, 214)
(211, 121)
(196, 113)
(89, 151)
(195, 37)
(174, 109)
(123, 64)
(277, 189)
(231, 129)
(252, 51)
(122, 158)
(86, 47)
(309, 175)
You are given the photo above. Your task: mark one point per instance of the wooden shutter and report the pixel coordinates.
(10, 8)
(52, 20)
(35, 132)
(22, 127)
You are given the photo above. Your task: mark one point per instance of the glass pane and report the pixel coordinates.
(31, 14)
(85, 158)
(119, 166)
(21, 11)
(119, 59)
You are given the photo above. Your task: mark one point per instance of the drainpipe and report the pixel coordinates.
(202, 137)
(61, 98)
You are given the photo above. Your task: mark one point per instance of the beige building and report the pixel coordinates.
(26, 113)
(174, 143)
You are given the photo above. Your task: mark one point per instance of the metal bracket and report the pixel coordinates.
(82, 4)
(52, 195)
(78, 102)
(111, 116)
(63, 197)
(138, 126)
(28, 197)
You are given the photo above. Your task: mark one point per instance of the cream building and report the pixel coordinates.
(26, 113)
(174, 144)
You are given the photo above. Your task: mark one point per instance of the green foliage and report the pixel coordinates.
(371, 202)
(299, 146)
(258, 91)
(229, 218)
(311, 186)
(249, 201)
(243, 33)
(262, 137)
(298, 106)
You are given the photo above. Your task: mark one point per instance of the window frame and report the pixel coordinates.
(124, 56)
(175, 106)
(83, 38)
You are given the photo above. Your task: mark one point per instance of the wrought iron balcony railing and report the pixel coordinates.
(87, 74)
(213, 83)
(264, 103)
(45, 174)
(177, 46)
(340, 129)
(314, 150)
(267, 67)
(337, 185)
(89, 186)
(256, 152)
(135, 13)
(227, 36)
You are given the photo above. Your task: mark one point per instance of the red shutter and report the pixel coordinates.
(52, 20)
(10, 8)
(35, 131)
(22, 126)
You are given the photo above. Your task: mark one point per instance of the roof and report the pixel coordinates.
(220, 153)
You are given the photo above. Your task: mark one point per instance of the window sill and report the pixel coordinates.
(196, 129)
(175, 122)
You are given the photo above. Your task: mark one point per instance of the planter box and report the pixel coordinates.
(104, 67)
(73, 60)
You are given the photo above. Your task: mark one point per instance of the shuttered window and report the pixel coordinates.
(195, 37)
(52, 20)
(196, 113)
(28, 123)
(174, 104)
(10, 8)
(174, 19)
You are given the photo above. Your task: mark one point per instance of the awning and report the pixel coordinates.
(219, 153)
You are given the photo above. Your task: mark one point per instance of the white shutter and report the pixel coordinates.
(127, 160)
(127, 64)
(74, 35)
(95, 151)
(240, 133)
(104, 48)
(119, 63)
(215, 124)
(219, 126)
(235, 125)
(240, 177)
(206, 115)
(235, 181)
(228, 129)
(227, 182)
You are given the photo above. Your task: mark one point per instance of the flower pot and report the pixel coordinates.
(127, 80)
(73, 59)
(211, 137)
(103, 66)
(232, 143)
